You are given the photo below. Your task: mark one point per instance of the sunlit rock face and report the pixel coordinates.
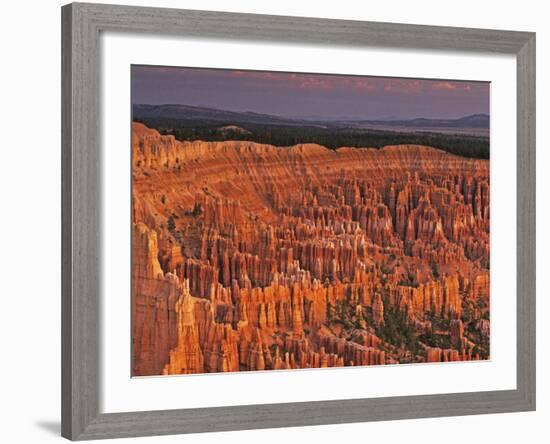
(254, 257)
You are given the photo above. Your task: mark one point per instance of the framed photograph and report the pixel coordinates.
(278, 221)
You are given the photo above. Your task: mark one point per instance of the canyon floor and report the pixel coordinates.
(247, 256)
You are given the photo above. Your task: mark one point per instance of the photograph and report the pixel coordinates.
(285, 220)
(274, 222)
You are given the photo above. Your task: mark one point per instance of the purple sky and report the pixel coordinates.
(309, 95)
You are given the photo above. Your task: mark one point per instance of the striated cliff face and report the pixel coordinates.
(255, 257)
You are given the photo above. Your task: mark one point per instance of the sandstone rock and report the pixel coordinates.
(252, 257)
(187, 356)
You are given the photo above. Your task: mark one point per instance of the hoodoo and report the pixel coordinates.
(247, 256)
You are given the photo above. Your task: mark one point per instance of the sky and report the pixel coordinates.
(303, 95)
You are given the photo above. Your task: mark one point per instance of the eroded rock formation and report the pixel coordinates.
(255, 257)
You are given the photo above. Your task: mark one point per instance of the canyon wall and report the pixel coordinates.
(255, 257)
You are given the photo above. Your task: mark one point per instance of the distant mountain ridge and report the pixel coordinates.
(198, 113)
(470, 121)
(213, 115)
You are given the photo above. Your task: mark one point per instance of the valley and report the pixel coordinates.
(248, 256)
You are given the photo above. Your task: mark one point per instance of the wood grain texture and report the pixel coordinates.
(119, 425)
(230, 25)
(66, 223)
(526, 222)
(81, 229)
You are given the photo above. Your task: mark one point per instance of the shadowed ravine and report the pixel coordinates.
(254, 257)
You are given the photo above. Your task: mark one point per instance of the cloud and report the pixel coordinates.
(331, 82)
(445, 85)
(307, 93)
(360, 83)
(406, 86)
(319, 82)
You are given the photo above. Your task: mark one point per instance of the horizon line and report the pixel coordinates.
(311, 117)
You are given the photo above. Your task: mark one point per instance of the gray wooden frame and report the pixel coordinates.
(81, 231)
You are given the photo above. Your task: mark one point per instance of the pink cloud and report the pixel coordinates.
(356, 83)
(445, 85)
(403, 85)
(359, 84)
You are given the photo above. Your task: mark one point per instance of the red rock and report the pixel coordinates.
(187, 356)
(457, 333)
(240, 263)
